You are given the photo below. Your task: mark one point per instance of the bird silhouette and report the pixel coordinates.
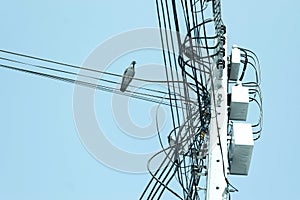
(127, 76)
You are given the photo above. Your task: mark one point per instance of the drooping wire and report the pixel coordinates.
(155, 95)
(255, 95)
(189, 128)
(149, 98)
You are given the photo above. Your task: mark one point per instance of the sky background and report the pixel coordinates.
(41, 155)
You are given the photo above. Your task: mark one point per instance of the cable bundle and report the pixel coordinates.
(105, 81)
(200, 53)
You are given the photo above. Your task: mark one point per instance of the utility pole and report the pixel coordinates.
(208, 91)
(217, 155)
(218, 138)
(217, 152)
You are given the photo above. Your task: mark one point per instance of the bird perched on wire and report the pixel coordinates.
(127, 76)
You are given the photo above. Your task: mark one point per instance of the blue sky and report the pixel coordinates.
(41, 155)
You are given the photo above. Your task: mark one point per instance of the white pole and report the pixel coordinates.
(217, 160)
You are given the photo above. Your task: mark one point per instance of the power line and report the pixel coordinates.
(155, 95)
(141, 96)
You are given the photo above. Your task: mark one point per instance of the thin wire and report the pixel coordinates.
(196, 69)
(82, 68)
(141, 96)
(80, 75)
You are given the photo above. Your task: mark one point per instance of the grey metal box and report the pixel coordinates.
(235, 63)
(241, 148)
(239, 103)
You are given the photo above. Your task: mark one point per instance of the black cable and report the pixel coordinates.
(157, 179)
(58, 63)
(194, 67)
(165, 62)
(141, 96)
(169, 56)
(80, 75)
(245, 62)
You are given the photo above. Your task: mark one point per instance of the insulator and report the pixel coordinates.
(223, 29)
(222, 52)
(222, 40)
(221, 64)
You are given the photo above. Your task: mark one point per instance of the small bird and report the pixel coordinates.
(127, 76)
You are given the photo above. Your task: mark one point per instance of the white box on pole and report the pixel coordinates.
(239, 103)
(241, 148)
(235, 63)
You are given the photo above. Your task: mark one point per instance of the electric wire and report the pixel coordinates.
(189, 74)
(81, 67)
(198, 69)
(80, 75)
(141, 96)
(201, 92)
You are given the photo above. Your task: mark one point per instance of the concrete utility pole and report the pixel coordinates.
(221, 139)
(217, 156)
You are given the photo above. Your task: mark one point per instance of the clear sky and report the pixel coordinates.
(41, 155)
